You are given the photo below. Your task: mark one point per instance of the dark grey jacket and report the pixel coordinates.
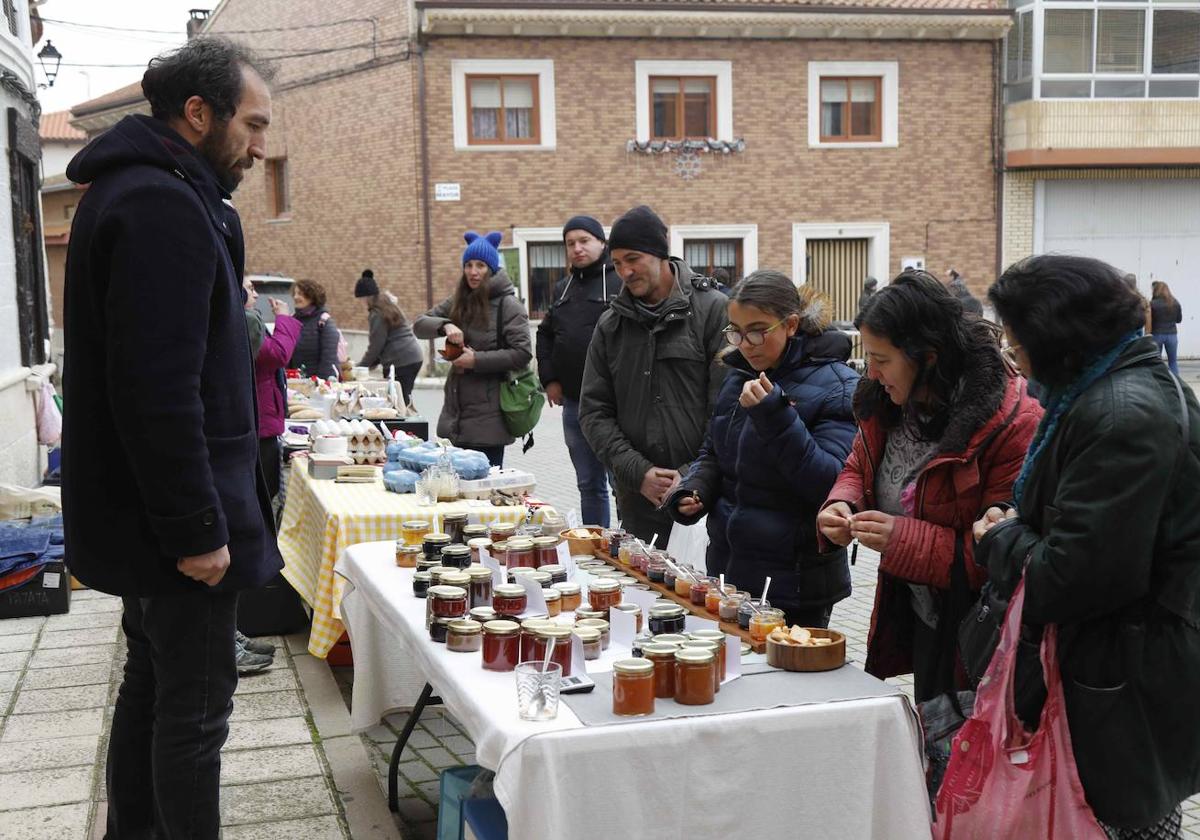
(471, 411)
(651, 382)
(316, 350)
(388, 345)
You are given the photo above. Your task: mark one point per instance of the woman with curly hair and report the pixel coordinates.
(943, 428)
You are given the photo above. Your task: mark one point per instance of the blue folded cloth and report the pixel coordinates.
(20, 547)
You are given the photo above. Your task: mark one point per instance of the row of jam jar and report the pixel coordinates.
(670, 667)
(504, 643)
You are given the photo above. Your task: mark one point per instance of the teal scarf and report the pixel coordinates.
(1057, 402)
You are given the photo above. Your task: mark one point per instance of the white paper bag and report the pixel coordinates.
(689, 543)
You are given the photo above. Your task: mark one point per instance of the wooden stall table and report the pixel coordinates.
(322, 517)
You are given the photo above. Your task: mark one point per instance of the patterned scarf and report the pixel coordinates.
(1057, 402)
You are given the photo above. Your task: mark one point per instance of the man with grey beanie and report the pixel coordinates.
(652, 373)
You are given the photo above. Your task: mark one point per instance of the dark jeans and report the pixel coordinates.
(269, 459)
(1170, 343)
(590, 477)
(495, 454)
(171, 717)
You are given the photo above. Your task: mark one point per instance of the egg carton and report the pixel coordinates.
(509, 482)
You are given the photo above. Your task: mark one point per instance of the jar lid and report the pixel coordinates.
(551, 595)
(447, 592)
(701, 644)
(658, 649)
(532, 624)
(466, 627)
(567, 587)
(439, 570)
(509, 590)
(636, 665)
(454, 517)
(478, 542)
(479, 572)
(629, 580)
(520, 544)
(604, 585)
(504, 527)
(455, 578)
(588, 634)
(421, 575)
(477, 528)
(698, 656)
(522, 570)
(482, 613)
(710, 635)
(541, 577)
(456, 549)
(599, 623)
(403, 548)
(545, 542)
(611, 574)
(436, 538)
(666, 611)
(551, 568)
(557, 631)
(670, 638)
(501, 628)
(583, 614)
(414, 524)
(499, 546)
(426, 565)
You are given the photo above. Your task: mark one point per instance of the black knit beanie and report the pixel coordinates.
(366, 285)
(586, 223)
(640, 230)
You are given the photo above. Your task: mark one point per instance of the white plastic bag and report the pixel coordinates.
(689, 543)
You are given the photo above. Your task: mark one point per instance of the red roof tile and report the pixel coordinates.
(948, 6)
(57, 126)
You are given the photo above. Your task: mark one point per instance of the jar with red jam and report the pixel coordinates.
(448, 601)
(530, 638)
(695, 677)
(509, 599)
(464, 636)
(571, 595)
(698, 590)
(481, 586)
(501, 645)
(633, 687)
(663, 657)
(520, 553)
(545, 551)
(603, 594)
(562, 645)
(456, 555)
(501, 531)
(453, 524)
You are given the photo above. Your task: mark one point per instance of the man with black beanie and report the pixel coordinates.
(580, 298)
(652, 373)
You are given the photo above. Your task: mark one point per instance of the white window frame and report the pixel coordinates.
(723, 70)
(889, 71)
(460, 68)
(877, 234)
(747, 233)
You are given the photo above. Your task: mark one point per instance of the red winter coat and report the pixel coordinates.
(276, 349)
(975, 464)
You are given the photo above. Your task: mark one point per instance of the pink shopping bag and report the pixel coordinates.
(1004, 783)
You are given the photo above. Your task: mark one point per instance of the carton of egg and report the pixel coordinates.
(365, 442)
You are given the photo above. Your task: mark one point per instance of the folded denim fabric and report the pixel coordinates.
(19, 546)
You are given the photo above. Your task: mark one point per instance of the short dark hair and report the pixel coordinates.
(1065, 311)
(209, 67)
(312, 290)
(919, 315)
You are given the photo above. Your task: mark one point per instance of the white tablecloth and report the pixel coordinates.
(837, 770)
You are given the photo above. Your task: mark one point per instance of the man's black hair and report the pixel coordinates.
(209, 67)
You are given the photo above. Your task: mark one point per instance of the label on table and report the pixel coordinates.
(535, 601)
(733, 658)
(565, 559)
(486, 558)
(578, 663)
(623, 626)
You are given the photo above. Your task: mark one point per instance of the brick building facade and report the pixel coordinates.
(375, 84)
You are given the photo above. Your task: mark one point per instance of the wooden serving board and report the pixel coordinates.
(729, 627)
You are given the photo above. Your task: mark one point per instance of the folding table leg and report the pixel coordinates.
(426, 699)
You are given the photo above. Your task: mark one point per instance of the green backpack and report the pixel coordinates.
(521, 396)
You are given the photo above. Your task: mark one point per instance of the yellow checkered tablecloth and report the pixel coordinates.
(322, 518)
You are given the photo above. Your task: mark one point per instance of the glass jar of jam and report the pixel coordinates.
(541, 578)
(482, 614)
(712, 647)
(501, 645)
(562, 645)
(464, 636)
(558, 574)
(456, 555)
(501, 531)
(637, 557)
(603, 594)
(728, 608)
(436, 572)
(517, 575)
(628, 543)
(683, 583)
(433, 545)
(509, 599)
(455, 577)
(763, 622)
(612, 541)
(545, 551)
(695, 676)
(635, 611)
(571, 595)
(656, 571)
(421, 583)
(520, 553)
(747, 609)
(553, 602)
(471, 532)
(439, 629)
(718, 638)
(587, 612)
(663, 657)
(529, 637)
(676, 639)
(712, 598)
(407, 555)
(698, 590)
(669, 578)
(476, 543)
(633, 687)
(448, 601)
(499, 551)
(453, 524)
(414, 530)
(598, 624)
(424, 565)
(481, 586)
(589, 637)
(667, 619)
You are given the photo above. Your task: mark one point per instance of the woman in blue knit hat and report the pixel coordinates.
(487, 337)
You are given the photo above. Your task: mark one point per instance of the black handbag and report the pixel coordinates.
(979, 633)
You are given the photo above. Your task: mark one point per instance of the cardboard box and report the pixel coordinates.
(47, 593)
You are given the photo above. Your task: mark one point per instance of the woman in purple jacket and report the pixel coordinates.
(276, 349)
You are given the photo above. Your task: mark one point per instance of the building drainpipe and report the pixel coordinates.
(422, 115)
(998, 148)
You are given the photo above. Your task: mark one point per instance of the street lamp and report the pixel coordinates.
(50, 58)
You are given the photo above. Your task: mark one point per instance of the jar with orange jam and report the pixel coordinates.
(413, 531)
(408, 555)
(715, 649)
(763, 622)
(571, 596)
(509, 599)
(718, 637)
(501, 645)
(695, 676)
(603, 594)
(714, 596)
(633, 687)
(683, 583)
(553, 602)
(663, 657)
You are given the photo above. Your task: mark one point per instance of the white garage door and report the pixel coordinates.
(1149, 228)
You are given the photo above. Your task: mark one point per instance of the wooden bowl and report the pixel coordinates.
(801, 658)
(583, 546)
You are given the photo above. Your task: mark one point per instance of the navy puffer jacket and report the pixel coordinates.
(764, 472)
